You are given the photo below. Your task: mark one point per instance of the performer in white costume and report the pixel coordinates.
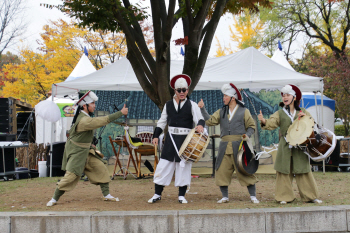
(179, 113)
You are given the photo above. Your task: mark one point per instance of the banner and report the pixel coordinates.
(67, 109)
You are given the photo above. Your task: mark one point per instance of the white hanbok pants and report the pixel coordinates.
(165, 171)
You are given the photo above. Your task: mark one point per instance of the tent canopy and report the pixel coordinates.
(279, 57)
(248, 68)
(84, 67)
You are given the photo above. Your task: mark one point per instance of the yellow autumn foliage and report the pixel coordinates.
(247, 33)
(60, 49)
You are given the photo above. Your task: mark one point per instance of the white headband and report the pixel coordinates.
(181, 83)
(226, 89)
(288, 89)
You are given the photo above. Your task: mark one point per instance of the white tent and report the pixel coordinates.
(248, 68)
(43, 128)
(279, 57)
(84, 67)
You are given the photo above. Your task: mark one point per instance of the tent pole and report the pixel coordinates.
(52, 130)
(44, 132)
(302, 99)
(316, 108)
(324, 163)
(322, 109)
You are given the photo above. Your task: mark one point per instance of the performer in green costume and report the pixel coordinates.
(290, 162)
(79, 154)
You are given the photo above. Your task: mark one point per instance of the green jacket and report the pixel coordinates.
(286, 155)
(79, 142)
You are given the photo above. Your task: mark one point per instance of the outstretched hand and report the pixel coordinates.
(125, 110)
(261, 118)
(201, 104)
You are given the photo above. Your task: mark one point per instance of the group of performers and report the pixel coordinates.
(180, 114)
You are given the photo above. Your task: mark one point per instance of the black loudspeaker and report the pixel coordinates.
(57, 155)
(10, 155)
(7, 116)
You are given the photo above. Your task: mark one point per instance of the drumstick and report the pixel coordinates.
(155, 149)
(299, 116)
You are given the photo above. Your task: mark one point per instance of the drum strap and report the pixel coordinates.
(182, 163)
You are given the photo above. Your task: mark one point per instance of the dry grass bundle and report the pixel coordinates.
(35, 152)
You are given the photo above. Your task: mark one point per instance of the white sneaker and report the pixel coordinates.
(283, 202)
(109, 197)
(182, 200)
(52, 202)
(254, 200)
(317, 201)
(155, 198)
(223, 200)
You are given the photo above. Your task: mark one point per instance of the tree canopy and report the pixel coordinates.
(248, 31)
(336, 73)
(320, 21)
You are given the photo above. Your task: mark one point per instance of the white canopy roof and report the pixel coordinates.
(84, 67)
(248, 68)
(279, 57)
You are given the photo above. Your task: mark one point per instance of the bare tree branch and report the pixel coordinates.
(11, 22)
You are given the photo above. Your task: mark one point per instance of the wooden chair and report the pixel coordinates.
(146, 149)
(121, 142)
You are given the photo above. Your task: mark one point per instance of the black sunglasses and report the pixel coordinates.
(179, 90)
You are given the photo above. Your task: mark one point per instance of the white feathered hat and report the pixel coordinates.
(180, 81)
(292, 90)
(231, 90)
(87, 98)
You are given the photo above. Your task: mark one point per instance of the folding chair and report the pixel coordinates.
(143, 148)
(121, 142)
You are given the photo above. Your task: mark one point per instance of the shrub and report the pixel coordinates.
(339, 130)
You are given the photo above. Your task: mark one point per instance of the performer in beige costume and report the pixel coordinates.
(290, 161)
(79, 154)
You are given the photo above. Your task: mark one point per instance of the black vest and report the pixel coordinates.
(183, 119)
